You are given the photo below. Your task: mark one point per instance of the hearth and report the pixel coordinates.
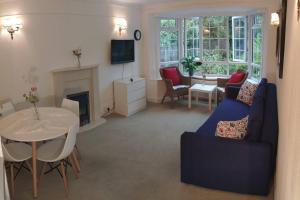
(84, 106)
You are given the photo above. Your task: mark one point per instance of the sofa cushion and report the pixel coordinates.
(232, 129)
(228, 110)
(172, 74)
(247, 92)
(237, 77)
(256, 112)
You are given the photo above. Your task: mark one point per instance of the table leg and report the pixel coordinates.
(34, 170)
(209, 101)
(190, 98)
(197, 97)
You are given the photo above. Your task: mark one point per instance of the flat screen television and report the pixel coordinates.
(122, 51)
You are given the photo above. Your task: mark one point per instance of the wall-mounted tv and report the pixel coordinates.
(122, 51)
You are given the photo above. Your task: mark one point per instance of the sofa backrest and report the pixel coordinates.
(270, 124)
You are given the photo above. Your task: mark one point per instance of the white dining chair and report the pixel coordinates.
(60, 150)
(16, 152)
(6, 109)
(72, 106)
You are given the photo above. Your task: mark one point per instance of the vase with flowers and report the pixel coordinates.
(32, 98)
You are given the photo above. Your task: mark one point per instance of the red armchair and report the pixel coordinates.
(177, 84)
(236, 80)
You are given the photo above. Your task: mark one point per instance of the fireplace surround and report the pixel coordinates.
(81, 81)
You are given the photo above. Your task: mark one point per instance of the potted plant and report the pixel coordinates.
(190, 64)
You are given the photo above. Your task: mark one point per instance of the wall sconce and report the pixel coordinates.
(121, 25)
(12, 24)
(275, 19)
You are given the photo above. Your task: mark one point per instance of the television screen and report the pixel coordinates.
(122, 51)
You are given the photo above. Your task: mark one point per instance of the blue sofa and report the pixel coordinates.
(243, 166)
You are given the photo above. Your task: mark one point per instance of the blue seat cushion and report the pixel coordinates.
(256, 112)
(228, 110)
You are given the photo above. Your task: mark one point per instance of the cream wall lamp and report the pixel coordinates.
(121, 25)
(12, 24)
(275, 19)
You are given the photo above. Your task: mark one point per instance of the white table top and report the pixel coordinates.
(22, 125)
(203, 87)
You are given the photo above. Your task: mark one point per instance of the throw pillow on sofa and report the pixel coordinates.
(247, 92)
(232, 129)
(256, 112)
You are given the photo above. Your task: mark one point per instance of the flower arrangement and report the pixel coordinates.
(77, 53)
(32, 98)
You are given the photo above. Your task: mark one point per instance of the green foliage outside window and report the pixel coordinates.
(211, 45)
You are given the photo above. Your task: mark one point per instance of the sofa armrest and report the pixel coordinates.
(232, 92)
(227, 164)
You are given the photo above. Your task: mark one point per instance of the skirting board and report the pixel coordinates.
(98, 122)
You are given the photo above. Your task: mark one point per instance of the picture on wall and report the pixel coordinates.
(281, 38)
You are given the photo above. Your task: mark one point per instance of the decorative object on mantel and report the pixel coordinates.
(32, 97)
(77, 53)
(190, 64)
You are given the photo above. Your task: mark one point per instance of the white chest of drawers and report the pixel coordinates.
(130, 97)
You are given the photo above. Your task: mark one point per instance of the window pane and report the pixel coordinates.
(257, 46)
(168, 47)
(192, 37)
(213, 69)
(168, 23)
(215, 35)
(256, 72)
(234, 67)
(239, 39)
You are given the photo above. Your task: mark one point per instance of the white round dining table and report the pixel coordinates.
(22, 126)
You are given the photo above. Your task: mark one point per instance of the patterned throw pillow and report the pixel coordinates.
(232, 129)
(247, 92)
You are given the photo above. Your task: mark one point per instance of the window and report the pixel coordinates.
(215, 36)
(224, 44)
(192, 35)
(239, 38)
(257, 46)
(169, 48)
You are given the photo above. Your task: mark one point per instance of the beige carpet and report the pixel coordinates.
(135, 158)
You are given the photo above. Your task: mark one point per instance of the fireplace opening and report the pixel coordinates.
(84, 107)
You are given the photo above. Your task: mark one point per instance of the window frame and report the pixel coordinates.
(229, 62)
(234, 38)
(170, 29)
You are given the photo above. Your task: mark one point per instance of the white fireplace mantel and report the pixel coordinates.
(74, 68)
(74, 79)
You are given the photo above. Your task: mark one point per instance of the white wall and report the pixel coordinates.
(288, 160)
(155, 87)
(52, 29)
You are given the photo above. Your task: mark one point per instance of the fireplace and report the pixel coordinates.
(84, 106)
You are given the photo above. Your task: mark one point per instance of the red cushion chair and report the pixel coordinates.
(237, 77)
(177, 85)
(172, 74)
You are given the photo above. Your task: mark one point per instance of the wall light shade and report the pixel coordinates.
(275, 21)
(12, 24)
(121, 24)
